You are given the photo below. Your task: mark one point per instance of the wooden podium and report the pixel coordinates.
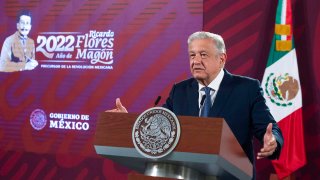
(206, 145)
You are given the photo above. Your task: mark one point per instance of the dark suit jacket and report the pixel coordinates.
(239, 101)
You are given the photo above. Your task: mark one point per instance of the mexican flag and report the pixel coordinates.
(282, 91)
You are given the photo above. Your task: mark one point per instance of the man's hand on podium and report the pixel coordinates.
(119, 107)
(269, 143)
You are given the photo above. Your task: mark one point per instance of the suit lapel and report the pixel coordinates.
(223, 94)
(193, 96)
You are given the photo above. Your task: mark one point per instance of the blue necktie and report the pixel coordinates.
(207, 102)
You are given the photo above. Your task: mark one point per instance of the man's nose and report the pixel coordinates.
(197, 59)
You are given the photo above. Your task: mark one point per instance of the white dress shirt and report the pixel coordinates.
(214, 85)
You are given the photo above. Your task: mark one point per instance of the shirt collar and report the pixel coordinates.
(21, 37)
(215, 84)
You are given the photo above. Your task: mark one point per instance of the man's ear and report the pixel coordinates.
(223, 58)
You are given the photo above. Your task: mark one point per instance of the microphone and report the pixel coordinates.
(157, 101)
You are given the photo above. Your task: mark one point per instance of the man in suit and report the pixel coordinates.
(18, 50)
(237, 99)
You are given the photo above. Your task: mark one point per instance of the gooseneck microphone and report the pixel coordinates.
(157, 101)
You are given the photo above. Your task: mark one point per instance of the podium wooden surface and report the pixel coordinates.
(206, 145)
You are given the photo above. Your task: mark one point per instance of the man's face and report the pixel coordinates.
(24, 25)
(205, 61)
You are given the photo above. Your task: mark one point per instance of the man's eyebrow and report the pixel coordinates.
(203, 51)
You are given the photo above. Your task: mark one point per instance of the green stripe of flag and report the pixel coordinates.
(279, 9)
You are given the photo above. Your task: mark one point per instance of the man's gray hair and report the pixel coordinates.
(218, 40)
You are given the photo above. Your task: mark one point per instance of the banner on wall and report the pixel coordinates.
(57, 50)
(67, 61)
